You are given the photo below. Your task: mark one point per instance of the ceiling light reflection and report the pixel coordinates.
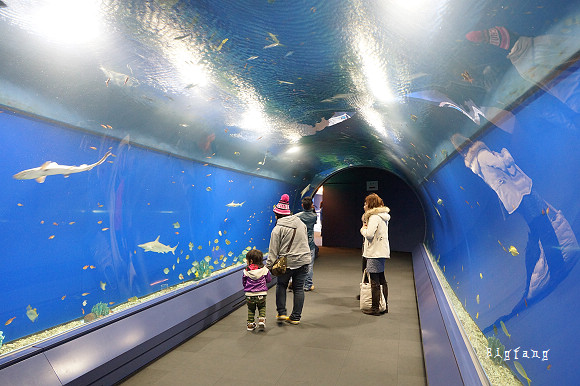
(68, 22)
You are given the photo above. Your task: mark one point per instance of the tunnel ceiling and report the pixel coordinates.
(286, 89)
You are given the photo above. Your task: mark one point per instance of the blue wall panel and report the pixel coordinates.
(503, 223)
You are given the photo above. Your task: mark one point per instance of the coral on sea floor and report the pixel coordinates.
(1, 338)
(495, 350)
(100, 309)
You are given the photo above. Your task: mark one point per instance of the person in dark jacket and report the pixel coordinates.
(255, 280)
(308, 217)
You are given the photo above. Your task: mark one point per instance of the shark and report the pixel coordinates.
(156, 246)
(50, 168)
(235, 204)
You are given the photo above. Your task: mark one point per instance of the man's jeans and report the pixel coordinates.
(298, 277)
(309, 283)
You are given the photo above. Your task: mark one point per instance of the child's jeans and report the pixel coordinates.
(254, 302)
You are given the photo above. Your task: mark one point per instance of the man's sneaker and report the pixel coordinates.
(262, 323)
(292, 321)
(251, 326)
(281, 318)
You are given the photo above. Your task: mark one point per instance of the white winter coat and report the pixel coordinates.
(376, 233)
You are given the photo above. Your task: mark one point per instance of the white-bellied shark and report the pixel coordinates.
(156, 246)
(235, 204)
(50, 168)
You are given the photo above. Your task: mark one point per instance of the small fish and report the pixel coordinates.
(31, 313)
(208, 189)
(494, 330)
(477, 299)
(200, 247)
(64, 297)
(126, 80)
(221, 44)
(220, 233)
(513, 251)
(284, 82)
(182, 37)
(133, 299)
(92, 267)
(252, 57)
(105, 229)
(83, 310)
(236, 153)
(9, 321)
(111, 302)
(180, 276)
(191, 85)
(84, 303)
(549, 367)
(466, 77)
(413, 117)
(166, 271)
(505, 331)
(190, 246)
(85, 293)
(71, 223)
(235, 204)
(86, 267)
(480, 275)
(522, 372)
(276, 41)
(51, 237)
(103, 285)
(107, 81)
(178, 260)
(176, 225)
(440, 201)
(159, 281)
(289, 53)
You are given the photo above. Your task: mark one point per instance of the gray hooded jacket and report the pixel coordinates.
(299, 253)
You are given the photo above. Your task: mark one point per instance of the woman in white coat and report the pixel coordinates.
(376, 248)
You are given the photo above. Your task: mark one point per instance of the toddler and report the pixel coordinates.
(254, 280)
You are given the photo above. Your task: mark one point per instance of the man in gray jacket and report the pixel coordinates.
(289, 238)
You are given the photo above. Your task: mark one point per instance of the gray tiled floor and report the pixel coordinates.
(335, 344)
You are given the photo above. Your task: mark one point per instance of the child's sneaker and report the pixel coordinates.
(251, 326)
(281, 318)
(262, 323)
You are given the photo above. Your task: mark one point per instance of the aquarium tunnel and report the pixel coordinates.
(145, 143)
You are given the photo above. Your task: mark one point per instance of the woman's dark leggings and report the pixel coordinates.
(378, 278)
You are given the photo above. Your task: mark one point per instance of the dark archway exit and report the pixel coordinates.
(344, 195)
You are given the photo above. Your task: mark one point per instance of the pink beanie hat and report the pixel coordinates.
(283, 206)
(497, 36)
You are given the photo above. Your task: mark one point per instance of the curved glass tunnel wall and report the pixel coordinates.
(105, 239)
(503, 221)
(343, 199)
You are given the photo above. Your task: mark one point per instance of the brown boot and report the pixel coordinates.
(386, 295)
(376, 294)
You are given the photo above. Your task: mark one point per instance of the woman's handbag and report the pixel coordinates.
(279, 266)
(366, 297)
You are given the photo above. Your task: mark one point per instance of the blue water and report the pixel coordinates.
(472, 232)
(170, 86)
(65, 237)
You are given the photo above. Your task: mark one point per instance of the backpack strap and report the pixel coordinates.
(291, 241)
